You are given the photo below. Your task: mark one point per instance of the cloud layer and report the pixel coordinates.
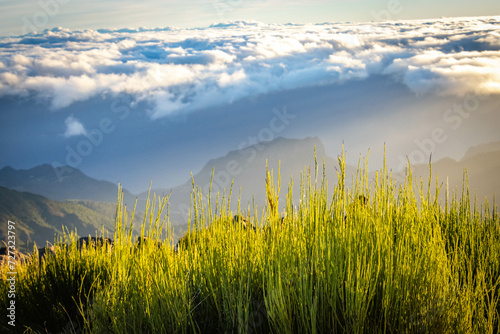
(180, 70)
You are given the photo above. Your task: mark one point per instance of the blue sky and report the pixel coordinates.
(157, 103)
(19, 17)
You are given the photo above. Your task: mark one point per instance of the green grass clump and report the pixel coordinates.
(373, 258)
(50, 292)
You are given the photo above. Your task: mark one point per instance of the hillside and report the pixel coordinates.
(39, 219)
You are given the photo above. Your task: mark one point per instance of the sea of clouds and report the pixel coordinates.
(180, 70)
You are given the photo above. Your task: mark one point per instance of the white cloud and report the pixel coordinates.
(180, 70)
(74, 127)
(456, 74)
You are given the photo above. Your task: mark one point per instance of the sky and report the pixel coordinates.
(133, 91)
(24, 16)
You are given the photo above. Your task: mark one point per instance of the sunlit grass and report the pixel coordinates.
(374, 257)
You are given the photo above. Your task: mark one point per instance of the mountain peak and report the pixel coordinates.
(279, 148)
(249, 163)
(46, 170)
(482, 148)
(7, 169)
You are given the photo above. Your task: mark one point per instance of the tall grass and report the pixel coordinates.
(375, 257)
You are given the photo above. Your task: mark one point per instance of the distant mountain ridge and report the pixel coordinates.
(294, 154)
(247, 167)
(95, 200)
(61, 183)
(483, 148)
(482, 163)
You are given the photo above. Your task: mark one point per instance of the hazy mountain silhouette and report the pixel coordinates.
(482, 163)
(479, 149)
(40, 218)
(247, 168)
(60, 184)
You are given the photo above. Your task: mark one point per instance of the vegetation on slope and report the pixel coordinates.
(39, 219)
